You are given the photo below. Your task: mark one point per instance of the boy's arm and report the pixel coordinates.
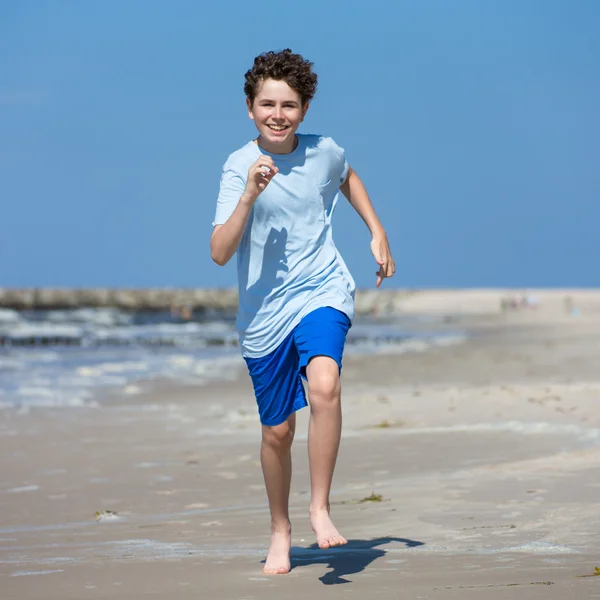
(354, 189)
(226, 237)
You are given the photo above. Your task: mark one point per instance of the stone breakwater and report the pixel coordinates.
(483, 301)
(367, 301)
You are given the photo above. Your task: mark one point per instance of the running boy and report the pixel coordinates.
(296, 295)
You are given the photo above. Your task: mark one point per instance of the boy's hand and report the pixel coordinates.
(380, 248)
(259, 177)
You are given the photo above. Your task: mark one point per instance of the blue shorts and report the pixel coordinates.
(277, 376)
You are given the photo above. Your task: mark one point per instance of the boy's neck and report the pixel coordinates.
(280, 150)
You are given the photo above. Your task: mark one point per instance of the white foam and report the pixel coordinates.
(541, 548)
(145, 549)
(523, 427)
(35, 391)
(24, 330)
(179, 334)
(24, 488)
(536, 547)
(33, 355)
(113, 367)
(9, 316)
(405, 346)
(101, 326)
(11, 364)
(93, 316)
(32, 397)
(25, 573)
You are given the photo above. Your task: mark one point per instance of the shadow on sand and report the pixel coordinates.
(353, 557)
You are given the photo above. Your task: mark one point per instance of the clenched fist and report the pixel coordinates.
(259, 176)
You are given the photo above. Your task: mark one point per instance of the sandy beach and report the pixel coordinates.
(469, 470)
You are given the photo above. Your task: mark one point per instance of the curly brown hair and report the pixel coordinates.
(286, 66)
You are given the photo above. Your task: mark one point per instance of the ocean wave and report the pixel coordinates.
(9, 316)
(95, 327)
(64, 358)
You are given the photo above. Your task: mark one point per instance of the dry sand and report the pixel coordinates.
(484, 455)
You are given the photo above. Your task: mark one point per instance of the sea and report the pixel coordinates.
(74, 358)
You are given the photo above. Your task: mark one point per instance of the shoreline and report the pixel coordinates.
(81, 373)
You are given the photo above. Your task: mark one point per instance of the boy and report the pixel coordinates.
(296, 296)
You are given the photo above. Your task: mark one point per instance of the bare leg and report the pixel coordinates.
(324, 432)
(276, 460)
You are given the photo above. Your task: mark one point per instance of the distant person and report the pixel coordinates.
(296, 295)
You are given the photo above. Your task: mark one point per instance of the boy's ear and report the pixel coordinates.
(304, 110)
(249, 107)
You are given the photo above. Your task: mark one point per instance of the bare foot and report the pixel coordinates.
(326, 532)
(278, 559)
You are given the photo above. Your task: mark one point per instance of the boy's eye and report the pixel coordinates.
(268, 104)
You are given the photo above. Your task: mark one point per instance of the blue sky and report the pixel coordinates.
(474, 124)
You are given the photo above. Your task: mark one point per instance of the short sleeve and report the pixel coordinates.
(340, 166)
(230, 191)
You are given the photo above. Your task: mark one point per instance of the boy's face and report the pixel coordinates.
(277, 112)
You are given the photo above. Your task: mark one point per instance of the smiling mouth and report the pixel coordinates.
(277, 127)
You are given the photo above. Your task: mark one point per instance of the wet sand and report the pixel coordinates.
(467, 471)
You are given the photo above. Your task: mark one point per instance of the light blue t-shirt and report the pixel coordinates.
(287, 262)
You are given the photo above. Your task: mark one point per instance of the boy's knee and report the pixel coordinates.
(324, 385)
(279, 437)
